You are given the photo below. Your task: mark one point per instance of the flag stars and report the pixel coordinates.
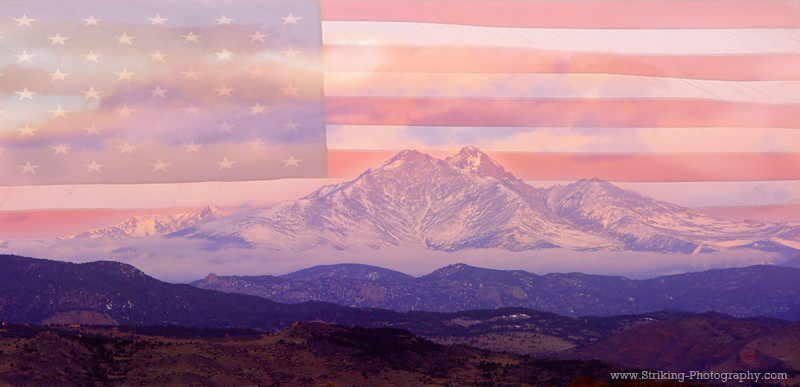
(160, 166)
(27, 131)
(125, 39)
(125, 75)
(224, 55)
(226, 164)
(25, 94)
(93, 167)
(224, 21)
(191, 37)
(60, 149)
(91, 93)
(224, 91)
(191, 110)
(290, 19)
(225, 127)
(157, 20)
(291, 126)
(58, 76)
(90, 21)
(28, 168)
(257, 37)
(124, 111)
(91, 57)
(93, 130)
(24, 21)
(58, 39)
(190, 74)
(291, 162)
(59, 112)
(158, 92)
(290, 90)
(191, 147)
(258, 109)
(291, 53)
(25, 57)
(157, 56)
(126, 148)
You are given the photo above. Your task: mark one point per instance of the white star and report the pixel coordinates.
(257, 72)
(91, 57)
(190, 74)
(90, 21)
(291, 126)
(192, 147)
(191, 109)
(91, 93)
(257, 37)
(93, 129)
(226, 164)
(157, 56)
(58, 39)
(257, 145)
(29, 168)
(93, 167)
(291, 19)
(225, 127)
(291, 53)
(191, 37)
(27, 130)
(159, 166)
(290, 90)
(126, 148)
(258, 109)
(58, 76)
(224, 55)
(24, 57)
(25, 94)
(59, 112)
(224, 91)
(158, 92)
(124, 111)
(291, 161)
(158, 20)
(24, 21)
(60, 149)
(125, 39)
(224, 20)
(124, 74)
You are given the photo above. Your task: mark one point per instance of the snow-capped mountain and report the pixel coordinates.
(470, 201)
(148, 225)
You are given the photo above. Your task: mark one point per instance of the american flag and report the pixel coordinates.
(646, 91)
(160, 91)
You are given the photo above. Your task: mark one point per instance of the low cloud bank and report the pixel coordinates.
(186, 260)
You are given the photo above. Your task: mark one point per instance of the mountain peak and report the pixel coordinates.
(472, 159)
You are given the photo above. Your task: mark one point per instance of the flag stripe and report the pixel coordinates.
(555, 86)
(343, 58)
(572, 14)
(622, 168)
(557, 113)
(660, 41)
(571, 139)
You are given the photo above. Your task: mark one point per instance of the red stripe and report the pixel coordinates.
(622, 168)
(519, 60)
(558, 113)
(572, 14)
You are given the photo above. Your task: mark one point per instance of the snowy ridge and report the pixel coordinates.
(148, 225)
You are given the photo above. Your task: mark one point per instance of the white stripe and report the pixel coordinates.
(668, 42)
(567, 140)
(555, 86)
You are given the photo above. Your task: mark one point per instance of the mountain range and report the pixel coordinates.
(469, 201)
(742, 292)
